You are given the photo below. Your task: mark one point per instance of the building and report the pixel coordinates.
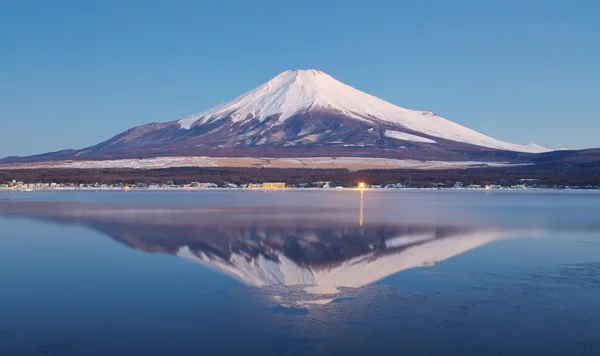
(395, 186)
(277, 185)
(204, 185)
(322, 184)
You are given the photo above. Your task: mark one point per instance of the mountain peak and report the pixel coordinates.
(309, 79)
(304, 71)
(286, 94)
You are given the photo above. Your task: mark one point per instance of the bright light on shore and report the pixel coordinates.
(361, 185)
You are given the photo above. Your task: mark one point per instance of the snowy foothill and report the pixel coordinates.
(354, 163)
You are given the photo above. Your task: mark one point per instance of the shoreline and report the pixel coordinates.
(32, 190)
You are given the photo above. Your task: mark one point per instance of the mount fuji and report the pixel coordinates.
(299, 93)
(301, 114)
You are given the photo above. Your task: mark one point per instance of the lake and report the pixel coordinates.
(321, 272)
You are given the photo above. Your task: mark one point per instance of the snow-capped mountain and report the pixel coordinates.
(305, 113)
(300, 91)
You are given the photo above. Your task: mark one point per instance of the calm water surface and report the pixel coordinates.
(300, 273)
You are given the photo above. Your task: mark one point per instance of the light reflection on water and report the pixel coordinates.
(325, 268)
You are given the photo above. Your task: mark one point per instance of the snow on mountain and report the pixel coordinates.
(537, 148)
(296, 91)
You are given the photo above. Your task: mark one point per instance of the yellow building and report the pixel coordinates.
(273, 185)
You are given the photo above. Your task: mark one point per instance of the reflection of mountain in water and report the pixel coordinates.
(335, 257)
(308, 252)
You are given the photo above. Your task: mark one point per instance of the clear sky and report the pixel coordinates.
(74, 73)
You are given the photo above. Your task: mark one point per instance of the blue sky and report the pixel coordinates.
(74, 73)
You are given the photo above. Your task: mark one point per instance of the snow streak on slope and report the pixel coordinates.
(293, 92)
(406, 137)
